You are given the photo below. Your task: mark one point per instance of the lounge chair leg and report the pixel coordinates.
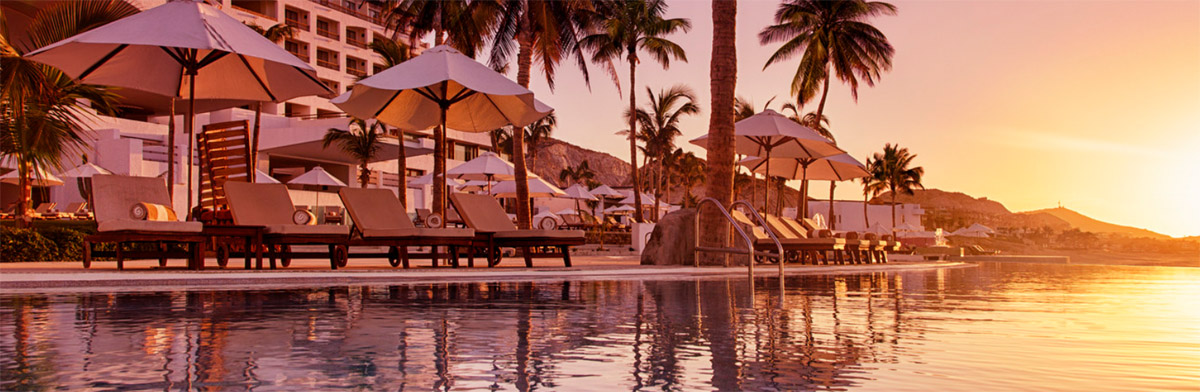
(87, 254)
(404, 256)
(333, 258)
(453, 255)
(470, 256)
(200, 256)
(528, 257)
(120, 257)
(162, 256)
(566, 251)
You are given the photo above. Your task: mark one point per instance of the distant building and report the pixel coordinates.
(332, 36)
(848, 215)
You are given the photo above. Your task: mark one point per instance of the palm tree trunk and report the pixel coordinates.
(832, 225)
(26, 197)
(254, 142)
(722, 82)
(866, 219)
(439, 164)
(524, 63)
(364, 175)
(658, 185)
(637, 183)
(893, 211)
(824, 94)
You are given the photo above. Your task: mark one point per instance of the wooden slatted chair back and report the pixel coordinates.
(224, 150)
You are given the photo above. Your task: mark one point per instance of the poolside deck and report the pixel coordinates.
(145, 275)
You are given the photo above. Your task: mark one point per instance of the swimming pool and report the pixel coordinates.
(993, 327)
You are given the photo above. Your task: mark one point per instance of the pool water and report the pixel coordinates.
(993, 327)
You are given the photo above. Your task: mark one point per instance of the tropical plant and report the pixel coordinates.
(810, 120)
(825, 34)
(872, 186)
(548, 31)
(42, 114)
(276, 33)
(744, 108)
(660, 126)
(723, 74)
(537, 133)
(894, 174)
(361, 141)
(625, 28)
(393, 53)
(579, 174)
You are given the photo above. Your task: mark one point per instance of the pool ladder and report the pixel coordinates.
(742, 233)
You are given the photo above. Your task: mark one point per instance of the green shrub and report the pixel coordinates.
(24, 245)
(68, 243)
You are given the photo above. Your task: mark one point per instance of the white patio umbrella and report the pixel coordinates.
(184, 46)
(621, 209)
(261, 177)
(487, 167)
(770, 134)
(647, 200)
(605, 192)
(567, 211)
(834, 168)
(317, 176)
(578, 192)
(83, 178)
(428, 180)
(39, 177)
(537, 188)
(475, 186)
(445, 88)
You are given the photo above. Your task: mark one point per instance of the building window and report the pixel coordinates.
(356, 37)
(296, 48)
(327, 58)
(333, 86)
(327, 28)
(322, 113)
(296, 18)
(413, 173)
(464, 152)
(356, 66)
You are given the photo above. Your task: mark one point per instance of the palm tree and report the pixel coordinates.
(360, 141)
(459, 23)
(691, 171)
(548, 31)
(723, 76)
(626, 28)
(660, 125)
(41, 114)
(275, 33)
(393, 53)
(829, 33)
(892, 171)
(580, 174)
(872, 186)
(536, 134)
(810, 120)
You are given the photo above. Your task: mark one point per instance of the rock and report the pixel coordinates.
(673, 240)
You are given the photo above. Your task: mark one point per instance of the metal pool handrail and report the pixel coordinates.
(763, 222)
(749, 243)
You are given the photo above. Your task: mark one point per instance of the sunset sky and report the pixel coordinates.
(1094, 104)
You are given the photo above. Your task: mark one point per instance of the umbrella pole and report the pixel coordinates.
(190, 131)
(767, 188)
(439, 197)
(832, 184)
(803, 211)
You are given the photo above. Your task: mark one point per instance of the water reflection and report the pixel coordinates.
(1057, 326)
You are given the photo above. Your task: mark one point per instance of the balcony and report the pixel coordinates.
(356, 71)
(327, 63)
(331, 34)
(356, 42)
(297, 24)
(300, 55)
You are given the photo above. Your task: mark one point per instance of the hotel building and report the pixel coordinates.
(330, 35)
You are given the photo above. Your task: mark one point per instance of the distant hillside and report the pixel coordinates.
(954, 210)
(1085, 223)
(553, 155)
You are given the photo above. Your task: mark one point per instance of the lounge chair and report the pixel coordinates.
(796, 248)
(494, 230)
(76, 210)
(46, 211)
(116, 198)
(333, 215)
(380, 219)
(862, 247)
(270, 206)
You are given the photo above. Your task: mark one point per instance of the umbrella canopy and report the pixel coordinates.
(86, 170)
(769, 134)
(487, 166)
(184, 46)
(579, 192)
(567, 211)
(605, 191)
(839, 167)
(647, 200)
(537, 188)
(428, 180)
(39, 177)
(317, 176)
(442, 87)
(261, 177)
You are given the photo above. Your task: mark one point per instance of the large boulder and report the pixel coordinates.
(673, 240)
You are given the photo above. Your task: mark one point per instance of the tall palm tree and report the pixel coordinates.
(660, 125)
(536, 134)
(41, 114)
(894, 174)
(394, 52)
(626, 28)
(829, 33)
(872, 186)
(361, 141)
(275, 33)
(691, 171)
(548, 31)
(461, 24)
(723, 82)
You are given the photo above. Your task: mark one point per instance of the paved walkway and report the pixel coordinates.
(145, 274)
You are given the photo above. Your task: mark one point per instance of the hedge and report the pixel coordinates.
(44, 242)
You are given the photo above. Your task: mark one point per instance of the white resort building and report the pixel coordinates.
(332, 36)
